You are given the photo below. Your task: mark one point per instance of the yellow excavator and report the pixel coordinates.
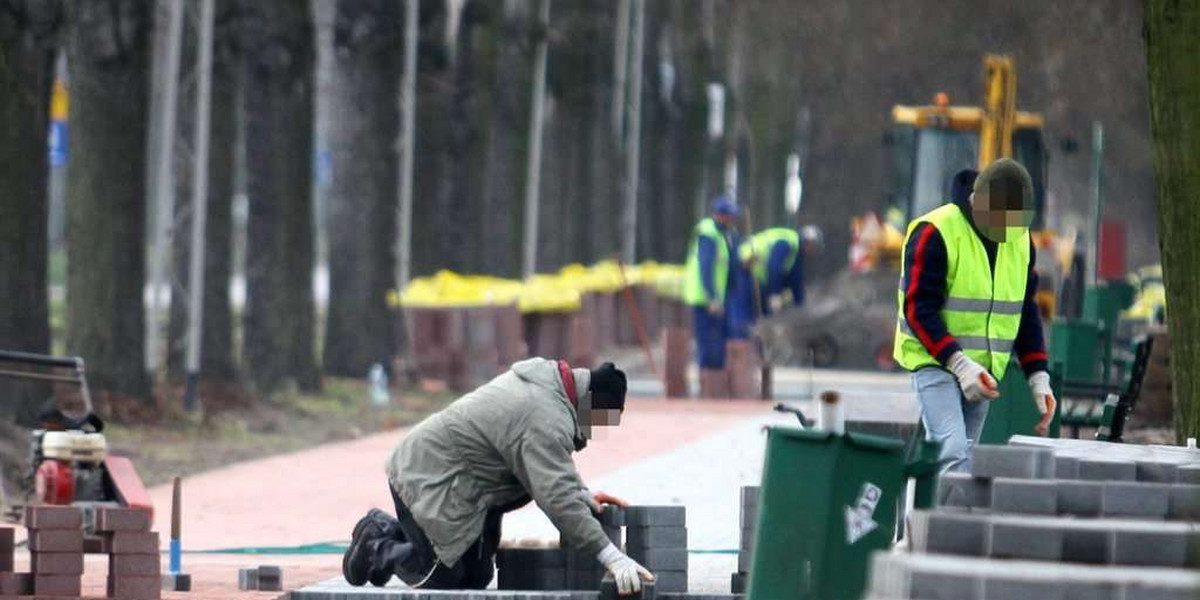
(927, 146)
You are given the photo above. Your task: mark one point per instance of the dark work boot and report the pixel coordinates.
(356, 562)
(392, 557)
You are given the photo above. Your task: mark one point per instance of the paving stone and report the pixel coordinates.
(1189, 473)
(1028, 496)
(746, 542)
(7, 536)
(1093, 590)
(748, 519)
(608, 590)
(1066, 467)
(989, 461)
(750, 495)
(270, 578)
(1107, 469)
(671, 581)
(1150, 548)
(1145, 500)
(964, 490)
(613, 534)
(53, 517)
(247, 578)
(1017, 588)
(929, 585)
(139, 565)
(57, 563)
(131, 543)
(16, 584)
(53, 540)
(672, 559)
(1080, 498)
(135, 588)
(738, 583)
(1010, 539)
(132, 520)
(1184, 503)
(177, 582)
(1087, 545)
(950, 533)
(656, 537)
(531, 558)
(57, 585)
(613, 516)
(655, 516)
(1157, 472)
(745, 561)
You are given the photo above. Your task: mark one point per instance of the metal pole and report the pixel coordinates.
(1097, 202)
(165, 205)
(620, 66)
(633, 140)
(199, 203)
(533, 169)
(408, 111)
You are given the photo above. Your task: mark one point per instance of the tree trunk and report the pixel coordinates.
(364, 122)
(26, 75)
(108, 44)
(278, 104)
(1173, 61)
(216, 339)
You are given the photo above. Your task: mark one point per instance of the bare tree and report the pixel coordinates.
(1173, 60)
(28, 40)
(278, 45)
(107, 54)
(362, 205)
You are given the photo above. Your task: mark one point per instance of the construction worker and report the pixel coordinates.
(775, 258)
(967, 304)
(708, 273)
(456, 474)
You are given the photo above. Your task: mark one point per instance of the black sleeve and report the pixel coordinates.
(1030, 345)
(924, 282)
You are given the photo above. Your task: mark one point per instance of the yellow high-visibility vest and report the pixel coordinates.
(693, 287)
(983, 306)
(759, 247)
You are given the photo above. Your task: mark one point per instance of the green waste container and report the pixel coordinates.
(827, 502)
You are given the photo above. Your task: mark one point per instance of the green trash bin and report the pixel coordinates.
(827, 502)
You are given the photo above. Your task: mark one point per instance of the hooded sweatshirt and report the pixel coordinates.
(926, 248)
(500, 445)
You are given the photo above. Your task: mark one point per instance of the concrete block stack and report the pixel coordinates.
(1069, 520)
(134, 562)
(263, 578)
(56, 550)
(656, 537)
(11, 583)
(532, 569)
(740, 579)
(743, 369)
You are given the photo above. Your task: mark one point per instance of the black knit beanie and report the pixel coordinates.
(608, 387)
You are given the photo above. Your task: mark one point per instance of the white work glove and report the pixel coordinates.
(776, 303)
(976, 383)
(1043, 397)
(715, 308)
(627, 573)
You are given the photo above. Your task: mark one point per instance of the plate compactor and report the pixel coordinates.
(70, 464)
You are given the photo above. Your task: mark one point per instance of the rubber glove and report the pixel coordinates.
(1043, 397)
(976, 383)
(627, 573)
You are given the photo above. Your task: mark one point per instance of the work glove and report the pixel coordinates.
(776, 303)
(715, 308)
(1043, 397)
(976, 383)
(627, 573)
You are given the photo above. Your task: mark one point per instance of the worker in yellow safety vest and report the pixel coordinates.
(775, 258)
(707, 276)
(966, 304)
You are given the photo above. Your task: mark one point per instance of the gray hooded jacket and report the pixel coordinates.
(509, 440)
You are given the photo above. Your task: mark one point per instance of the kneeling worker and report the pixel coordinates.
(455, 474)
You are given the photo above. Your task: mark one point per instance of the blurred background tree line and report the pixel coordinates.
(303, 157)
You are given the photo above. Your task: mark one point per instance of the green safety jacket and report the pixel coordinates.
(983, 305)
(693, 287)
(759, 247)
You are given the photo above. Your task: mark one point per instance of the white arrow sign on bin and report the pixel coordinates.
(859, 518)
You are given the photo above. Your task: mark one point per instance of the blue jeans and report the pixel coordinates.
(948, 417)
(710, 332)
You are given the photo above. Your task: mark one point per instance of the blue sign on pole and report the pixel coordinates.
(58, 143)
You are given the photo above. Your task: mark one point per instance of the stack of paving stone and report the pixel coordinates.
(656, 537)
(1030, 522)
(264, 578)
(134, 562)
(11, 583)
(749, 519)
(56, 550)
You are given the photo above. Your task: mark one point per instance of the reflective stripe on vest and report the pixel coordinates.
(693, 286)
(759, 247)
(983, 305)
